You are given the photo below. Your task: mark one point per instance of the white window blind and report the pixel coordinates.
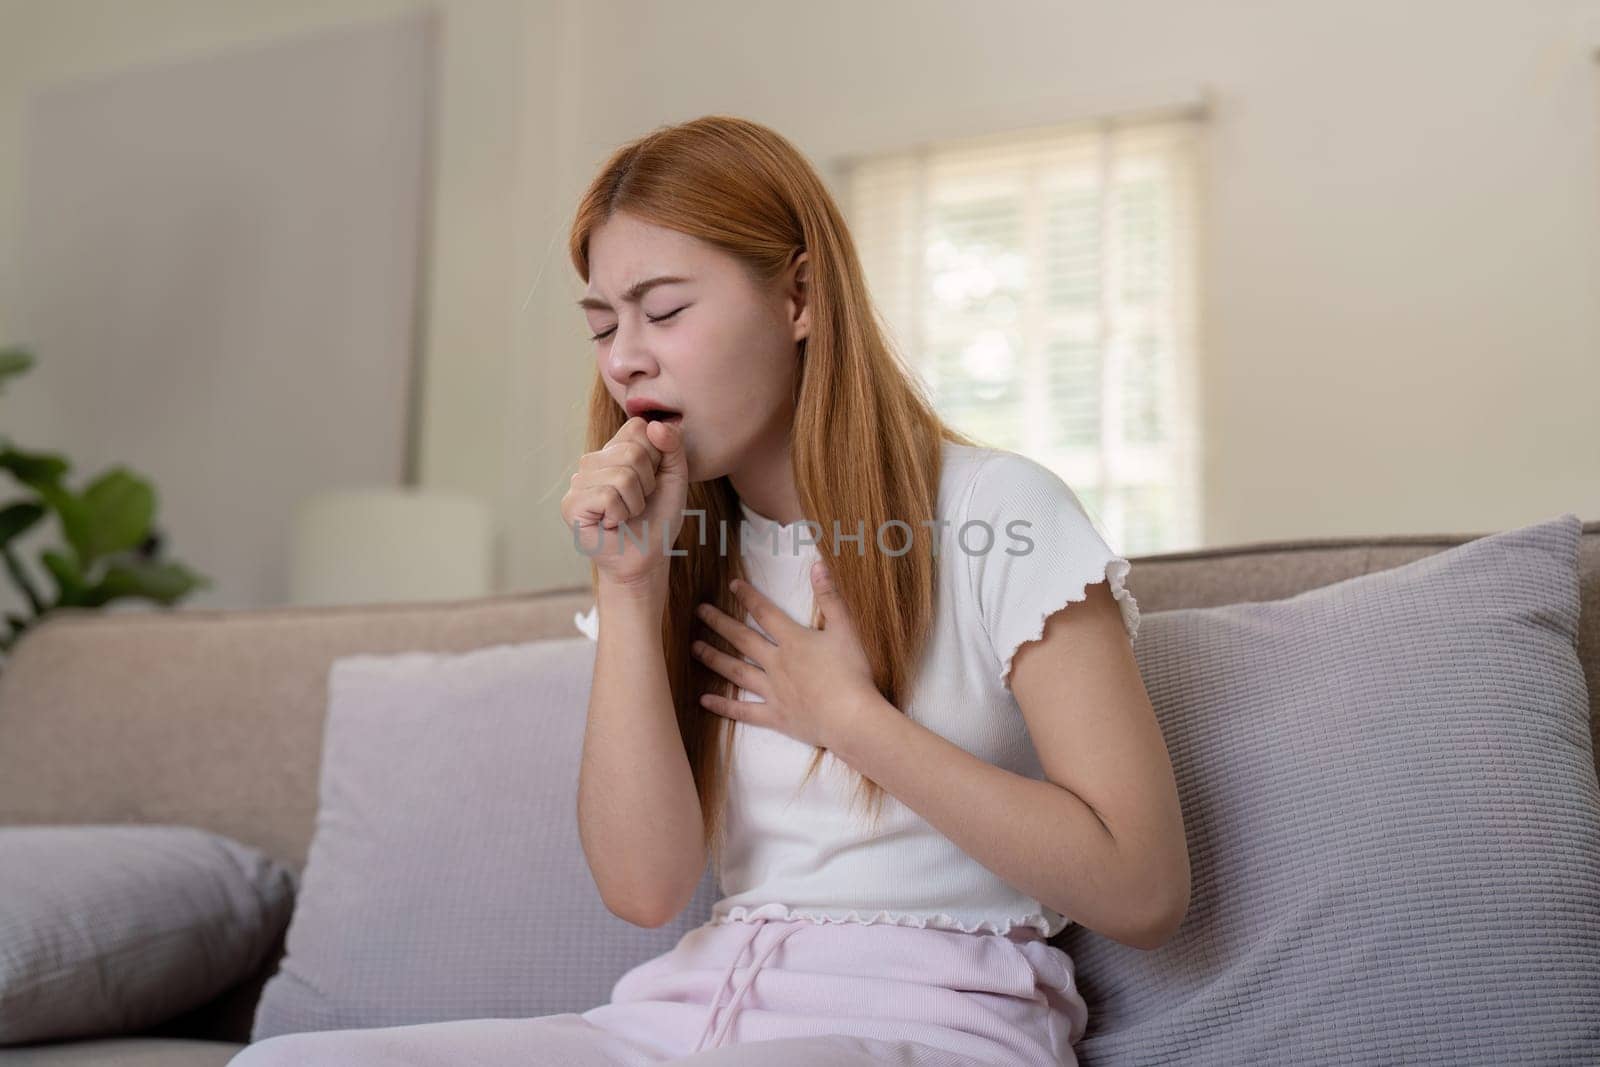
(1042, 285)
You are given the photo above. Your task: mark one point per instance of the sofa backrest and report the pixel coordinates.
(214, 718)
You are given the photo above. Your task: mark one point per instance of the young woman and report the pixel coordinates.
(879, 674)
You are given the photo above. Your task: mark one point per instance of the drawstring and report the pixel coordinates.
(749, 979)
(755, 928)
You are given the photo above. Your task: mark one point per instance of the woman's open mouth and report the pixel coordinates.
(663, 415)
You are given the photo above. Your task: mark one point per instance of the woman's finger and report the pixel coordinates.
(772, 618)
(742, 710)
(735, 670)
(750, 642)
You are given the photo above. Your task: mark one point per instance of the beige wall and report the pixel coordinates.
(485, 94)
(1402, 266)
(1402, 306)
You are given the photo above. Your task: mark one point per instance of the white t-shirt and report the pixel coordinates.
(1015, 546)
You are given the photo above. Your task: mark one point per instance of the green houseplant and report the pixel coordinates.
(111, 548)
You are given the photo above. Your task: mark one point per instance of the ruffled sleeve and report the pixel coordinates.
(1044, 552)
(589, 622)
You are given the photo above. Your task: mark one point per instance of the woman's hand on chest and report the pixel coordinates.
(811, 680)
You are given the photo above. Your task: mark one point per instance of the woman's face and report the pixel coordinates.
(713, 346)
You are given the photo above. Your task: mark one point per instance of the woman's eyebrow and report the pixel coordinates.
(635, 291)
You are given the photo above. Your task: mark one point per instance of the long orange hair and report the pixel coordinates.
(746, 190)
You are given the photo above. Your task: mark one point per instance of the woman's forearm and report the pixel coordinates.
(639, 816)
(1035, 835)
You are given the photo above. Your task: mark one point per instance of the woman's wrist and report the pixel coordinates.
(648, 590)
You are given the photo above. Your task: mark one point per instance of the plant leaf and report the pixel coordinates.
(13, 361)
(163, 582)
(36, 469)
(118, 508)
(76, 523)
(16, 519)
(69, 579)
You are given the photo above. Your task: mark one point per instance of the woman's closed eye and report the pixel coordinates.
(608, 333)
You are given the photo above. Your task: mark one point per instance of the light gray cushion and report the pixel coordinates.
(445, 878)
(108, 929)
(1394, 827)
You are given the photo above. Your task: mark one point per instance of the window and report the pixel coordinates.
(1042, 285)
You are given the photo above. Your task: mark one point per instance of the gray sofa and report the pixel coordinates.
(214, 719)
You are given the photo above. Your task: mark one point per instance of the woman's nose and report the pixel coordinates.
(627, 359)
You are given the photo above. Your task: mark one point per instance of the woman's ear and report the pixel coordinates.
(799, 294)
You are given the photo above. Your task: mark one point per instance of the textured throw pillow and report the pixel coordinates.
(445, 879)
(1393, 821)
(114, 928)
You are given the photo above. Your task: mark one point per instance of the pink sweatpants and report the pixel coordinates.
(808, 992)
